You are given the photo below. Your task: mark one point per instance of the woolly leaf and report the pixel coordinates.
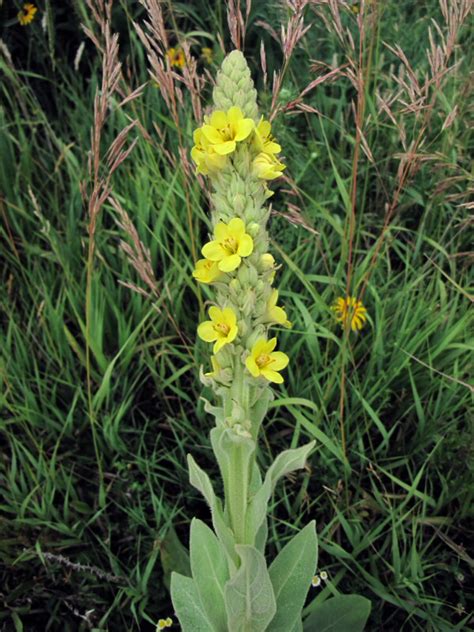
(339, 614)
(291, 574)
(249, 597)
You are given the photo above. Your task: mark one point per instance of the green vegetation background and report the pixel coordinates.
(395, 518)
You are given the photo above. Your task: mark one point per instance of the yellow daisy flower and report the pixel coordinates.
(266, 166)
(207, 54)
(350, 312)
(230, 244)
(275, 314)
(225, 130)
(176, 57)
(206, 271)
(26, 15)
(263, 139)
(221, 329)
(263, 361)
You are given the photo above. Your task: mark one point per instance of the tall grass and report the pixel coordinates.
(99, 380)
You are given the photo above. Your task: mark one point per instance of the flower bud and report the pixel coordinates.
(253, 229)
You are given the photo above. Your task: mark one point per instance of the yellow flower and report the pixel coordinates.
(164, 623)
(176, 57)
(216, 367)
(316, 581)
(263, 139)
(266, 166)
(207, 54)
(275, 314)
(267, 261)
(206, 271)
(266, 362)
(350, 311)
(224, 131)
(204, 154)
(221, 329)
(26, 15)
(230, 244)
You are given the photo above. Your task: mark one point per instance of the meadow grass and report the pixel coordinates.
(391, 482)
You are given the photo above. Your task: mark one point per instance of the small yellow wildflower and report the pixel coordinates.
(207, 54)
(230, 244)
(206, 271)
(176, 57)
(224, 131)
(263, 139)
(221, 329)
(164, 623)
(216, 367)
(266, 362)
(266, 166)
(316, 581)
(275, 314)
(323, 575)
(26, 15)
(204, 155)
(350, 312)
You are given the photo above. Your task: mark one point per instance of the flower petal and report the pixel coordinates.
(243, 129)
(279, 360)
(213, 251)
(219, 119)
(232, 335)
(272, 376)
(252, 366)
(229, 263)
(245, 246)
(228, 316)
(216, 314)
(236, 227)
(206, 331)
(220, 231)
(259, 347)
(211, 134)
(271, 344)
(234, 115)
(224, 148)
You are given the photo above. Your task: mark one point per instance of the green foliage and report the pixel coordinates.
(339, 614)
(188, 605)
(210, 572)
(249, 596)
(291, 573)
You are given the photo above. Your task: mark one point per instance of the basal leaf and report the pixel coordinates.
(249, 597)
(291, 574)
(339, 614)
(187, 605)
(210, 572)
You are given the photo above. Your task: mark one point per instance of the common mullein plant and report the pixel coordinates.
(231, 587)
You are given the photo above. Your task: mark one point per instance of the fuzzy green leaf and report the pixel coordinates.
(291, 574)
(249, 597)
(286, 462)
(187, 605)
(210, 572)
(339, 614)
(201, 481)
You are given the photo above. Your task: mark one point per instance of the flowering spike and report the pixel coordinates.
(234, 86)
